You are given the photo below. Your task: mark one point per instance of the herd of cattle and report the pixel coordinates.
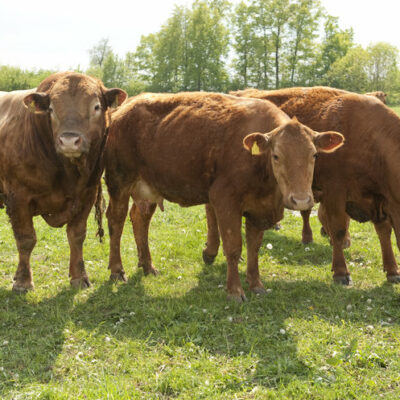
(250, 153)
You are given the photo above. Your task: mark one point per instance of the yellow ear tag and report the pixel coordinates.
(255, 150)
(32, 106)
(115, 103)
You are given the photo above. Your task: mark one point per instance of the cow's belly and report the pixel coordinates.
(363, 208)
(52, 203)
(183, 194)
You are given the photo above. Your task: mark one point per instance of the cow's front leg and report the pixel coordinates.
(384, 231)
(212, 245)
(141, 214)
(116, 215)
(25, 236)
(76, 233)
(229, 220)
(254, 238)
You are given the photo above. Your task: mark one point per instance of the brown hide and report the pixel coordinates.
(362, 177)
(195, 148)
(39, 175)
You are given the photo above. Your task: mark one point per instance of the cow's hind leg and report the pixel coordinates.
(325, 230)
(116, 215)
(229, 219)
(25, 236)
(141, 214)
(307, 235)
(384, 231)
(336, 221)
(212, 245)
(254, 238)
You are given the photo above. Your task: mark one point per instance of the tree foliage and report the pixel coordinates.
(215, 46)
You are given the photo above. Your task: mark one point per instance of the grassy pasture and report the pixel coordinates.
(176, 336)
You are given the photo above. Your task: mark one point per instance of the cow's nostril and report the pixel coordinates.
(291, 198)
(70, 141)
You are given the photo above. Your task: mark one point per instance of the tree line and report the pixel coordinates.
(216, 46)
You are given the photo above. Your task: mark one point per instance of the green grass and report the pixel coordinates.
(176, 336)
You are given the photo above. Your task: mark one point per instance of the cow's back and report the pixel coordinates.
(371, 130)
(188, 138)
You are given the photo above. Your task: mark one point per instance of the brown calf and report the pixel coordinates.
(52, 140)
(196, 148)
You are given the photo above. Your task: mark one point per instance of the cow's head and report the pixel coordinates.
(76, 106)
(293, 148)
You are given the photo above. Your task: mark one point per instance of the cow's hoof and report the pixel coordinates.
(118, 276)
(80, 283)
(238, 298)
(207, 258)
(323, 231)
(393, 278)
(307, 239)
(259, 290)
(343, 280)
(278, 226)
(150, 271)
(22, 288)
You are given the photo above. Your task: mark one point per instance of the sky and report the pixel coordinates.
(58, 34)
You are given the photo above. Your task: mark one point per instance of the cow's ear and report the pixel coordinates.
(115, 97)
(328, 142)
(256, 143)
(37, 103)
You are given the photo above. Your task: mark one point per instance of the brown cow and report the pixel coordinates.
(52, 140)
(359, 180)
(196, 148)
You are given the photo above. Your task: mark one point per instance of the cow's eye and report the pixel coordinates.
(275, 157)
(315, 155)
(97, 107)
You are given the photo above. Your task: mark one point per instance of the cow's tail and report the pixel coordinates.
(99, 210)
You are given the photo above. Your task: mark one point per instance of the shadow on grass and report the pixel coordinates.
(285, 247)
(31, 337)
(203, 318)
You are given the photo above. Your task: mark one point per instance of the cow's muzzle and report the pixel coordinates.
(300, 201)
(70, 144)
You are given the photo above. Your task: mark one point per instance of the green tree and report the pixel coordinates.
(15, 78)
(243, 44)
(141, 63)
(279, 15)
(208, 40)
(350, 71)
(303, 32)
(335, 44)
(261, 67)
(99, 52)
(382, 66)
